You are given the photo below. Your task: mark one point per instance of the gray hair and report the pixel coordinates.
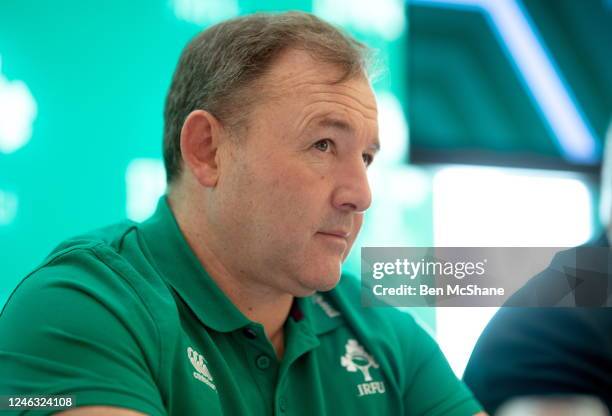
(218, 69)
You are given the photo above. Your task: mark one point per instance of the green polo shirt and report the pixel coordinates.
(126, 316)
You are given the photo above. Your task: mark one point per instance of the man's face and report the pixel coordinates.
(293, 191)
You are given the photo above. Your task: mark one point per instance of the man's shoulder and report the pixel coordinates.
(105, 263)
(110, 237)
(89, 317)
(84, 257)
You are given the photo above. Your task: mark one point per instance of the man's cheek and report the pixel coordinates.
(349, 246)
(358, 222)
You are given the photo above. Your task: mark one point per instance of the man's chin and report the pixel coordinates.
(329, 285)
(311, 285)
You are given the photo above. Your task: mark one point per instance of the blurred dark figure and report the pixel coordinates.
(539, 351)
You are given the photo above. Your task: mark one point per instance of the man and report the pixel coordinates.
(221, 302)
(542, 351)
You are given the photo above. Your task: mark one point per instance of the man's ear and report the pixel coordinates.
(200, 138)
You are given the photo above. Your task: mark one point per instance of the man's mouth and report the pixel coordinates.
(337, 233)
(338, 239)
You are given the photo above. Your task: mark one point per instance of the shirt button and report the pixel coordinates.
(249, 333)
(263, 362)
(282, 405)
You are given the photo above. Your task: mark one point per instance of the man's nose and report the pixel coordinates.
(352, 192)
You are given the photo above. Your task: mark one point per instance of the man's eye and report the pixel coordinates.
(368, 159)
(323, 145)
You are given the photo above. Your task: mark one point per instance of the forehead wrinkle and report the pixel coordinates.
(369, 114)
(341, 90)
(318, 117)
(312, 75)
(336, 123)
(291, 87)
(354, 102)
(317, 87)
(307, 116)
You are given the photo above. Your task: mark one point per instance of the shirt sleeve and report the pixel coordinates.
(432, 388)
(77, 328)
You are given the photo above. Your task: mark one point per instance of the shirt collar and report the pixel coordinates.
(180, 268)
(321, 312)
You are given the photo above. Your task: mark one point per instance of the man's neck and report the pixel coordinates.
(260, 304)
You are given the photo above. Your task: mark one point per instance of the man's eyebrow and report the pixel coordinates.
(335, 123)
(339, 124)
